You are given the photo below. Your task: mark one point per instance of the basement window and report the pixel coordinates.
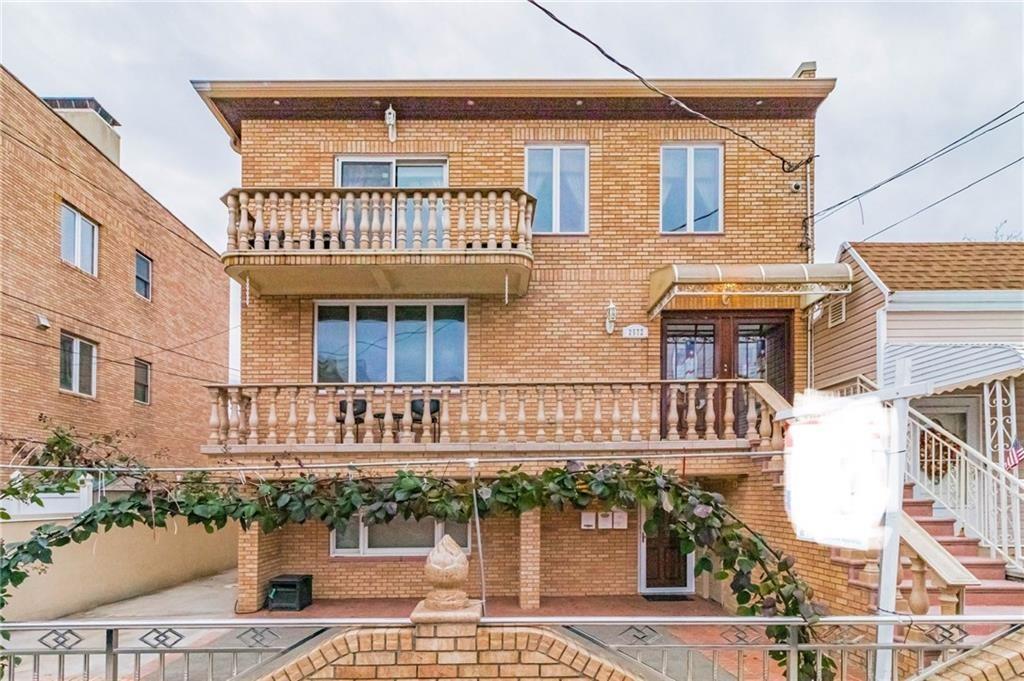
(400, 537)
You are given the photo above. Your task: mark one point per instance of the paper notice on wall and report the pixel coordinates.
(835, 473)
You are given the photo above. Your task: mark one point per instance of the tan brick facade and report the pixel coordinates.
(444, 651)
(46, 162)
(556, 331)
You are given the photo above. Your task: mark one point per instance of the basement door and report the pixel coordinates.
(663, 569)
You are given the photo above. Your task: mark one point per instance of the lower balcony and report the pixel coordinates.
(489, 419)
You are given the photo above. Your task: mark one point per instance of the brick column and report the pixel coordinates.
(257, 559)
(529, 560)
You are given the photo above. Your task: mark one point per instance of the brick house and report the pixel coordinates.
(94, 272)
(516, 270)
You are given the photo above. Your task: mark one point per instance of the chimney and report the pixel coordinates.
(808, 69)
(92, 121)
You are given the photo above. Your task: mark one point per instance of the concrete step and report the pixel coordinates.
(984, 567)
(919, 508)
(937, 527)
(959, 546)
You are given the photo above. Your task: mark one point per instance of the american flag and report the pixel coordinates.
(1014, 454)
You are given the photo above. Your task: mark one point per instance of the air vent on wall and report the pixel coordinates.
(836, 312)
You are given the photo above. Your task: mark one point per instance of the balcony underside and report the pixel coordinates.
(381, 273)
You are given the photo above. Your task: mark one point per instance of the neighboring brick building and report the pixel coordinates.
(113, 313)
(578, 269)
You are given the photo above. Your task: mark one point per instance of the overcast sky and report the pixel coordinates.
(911, 78)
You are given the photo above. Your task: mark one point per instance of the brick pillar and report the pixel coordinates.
(257, 557)
(529, 560)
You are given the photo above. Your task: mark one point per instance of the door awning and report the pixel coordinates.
(950, 366)
(810, 282)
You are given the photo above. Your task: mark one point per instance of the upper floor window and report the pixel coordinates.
(556, 175)
(382, 342)
(143, 370)
(78, 239)
(691, 188)
(77, 365)
(143, 276)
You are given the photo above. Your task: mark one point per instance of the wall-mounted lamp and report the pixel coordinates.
(391, 120)
(611, 313)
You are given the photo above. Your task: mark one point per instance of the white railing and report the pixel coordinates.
(985, 499)
(384, 219)
(442, 414)
(677, 647)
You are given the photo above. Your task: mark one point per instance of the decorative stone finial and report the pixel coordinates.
(447, 571)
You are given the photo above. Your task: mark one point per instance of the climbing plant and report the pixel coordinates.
(762, 580)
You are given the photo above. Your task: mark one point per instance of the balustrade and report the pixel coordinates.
(347, 219)
(343, 415)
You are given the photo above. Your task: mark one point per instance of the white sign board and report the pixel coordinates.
(635, 331)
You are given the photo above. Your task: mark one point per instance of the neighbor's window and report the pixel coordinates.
(143, 369)
(691, 188)
(77, 365)
(390, 342)
(78, 235)
(556, 175)
(143, 276)
(400, 537)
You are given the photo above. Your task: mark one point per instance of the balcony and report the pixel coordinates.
(359, 241)
(491, 419)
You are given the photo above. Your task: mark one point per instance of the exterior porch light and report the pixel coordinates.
(391, 120)
(610, 315)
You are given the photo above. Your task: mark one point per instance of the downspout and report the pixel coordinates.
(810, 353)
(809, 220)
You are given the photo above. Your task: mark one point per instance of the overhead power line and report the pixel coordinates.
(944, 198)
(787, 165)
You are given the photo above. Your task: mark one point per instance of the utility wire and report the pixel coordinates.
(787, 165)
(121, 334)
(966, 138)
(21, 139)
(944, 198)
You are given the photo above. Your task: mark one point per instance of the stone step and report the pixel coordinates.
(984, 567)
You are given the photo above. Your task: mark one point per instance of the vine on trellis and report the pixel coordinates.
(762, 581)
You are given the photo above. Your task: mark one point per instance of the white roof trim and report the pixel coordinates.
(949, 300)
(950, 366)
(863, 264)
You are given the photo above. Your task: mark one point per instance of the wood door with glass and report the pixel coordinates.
(664, 567)
(700, 346)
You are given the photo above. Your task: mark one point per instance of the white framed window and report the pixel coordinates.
(836, 312)
(399, 172)
(144, 275)
(691, 188)
(143, 372)
(558, 176)
(400, 537)
(380, 341)
(79, 239)
(77, 365)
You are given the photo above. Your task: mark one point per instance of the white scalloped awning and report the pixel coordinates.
(955, 365)
(811, 281)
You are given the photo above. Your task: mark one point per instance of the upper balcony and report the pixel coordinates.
(364, 241)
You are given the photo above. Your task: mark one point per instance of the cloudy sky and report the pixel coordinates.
(911, 78)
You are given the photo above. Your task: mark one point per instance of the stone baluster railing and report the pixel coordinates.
(626, 412)
(345, 219)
